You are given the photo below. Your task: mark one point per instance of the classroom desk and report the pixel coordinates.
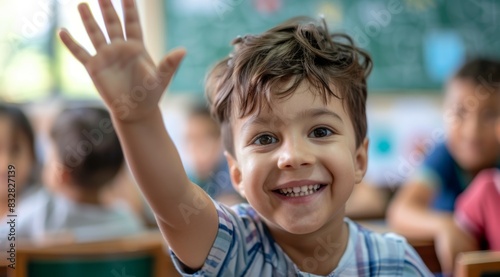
(3, 268)
(424, 248)
(149, 243)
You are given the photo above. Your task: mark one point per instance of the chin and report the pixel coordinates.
(298, 228)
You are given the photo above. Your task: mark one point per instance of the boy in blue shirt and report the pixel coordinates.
(423, 208)
(291, 103)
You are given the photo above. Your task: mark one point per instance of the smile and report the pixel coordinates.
(300, 191)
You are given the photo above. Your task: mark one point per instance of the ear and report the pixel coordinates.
(235, 173)
(361, 161)
(56, 175)
(65, 176)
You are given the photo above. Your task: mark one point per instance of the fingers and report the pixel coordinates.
(93, 30)
(111, 20)
(169, 65)
(132, 24)
(79, 52)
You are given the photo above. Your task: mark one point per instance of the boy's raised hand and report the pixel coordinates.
(131, 85)
(123, 72)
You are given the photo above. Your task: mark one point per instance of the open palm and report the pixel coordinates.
(123, 72)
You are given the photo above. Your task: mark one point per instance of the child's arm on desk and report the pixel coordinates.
(131, 85)
(411, 215)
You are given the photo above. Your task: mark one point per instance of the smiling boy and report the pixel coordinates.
(291, 103)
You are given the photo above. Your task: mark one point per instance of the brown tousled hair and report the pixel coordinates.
(92, 161)
(296, 50)
(480, 71)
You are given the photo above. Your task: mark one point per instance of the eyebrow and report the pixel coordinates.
(320, 112)
(258, 120)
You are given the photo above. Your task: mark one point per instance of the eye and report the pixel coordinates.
(15, 150)
(321, 132)
(460, 112)
(265, 140)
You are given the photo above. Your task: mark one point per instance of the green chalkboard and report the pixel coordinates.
(415, 44)
(132, 266)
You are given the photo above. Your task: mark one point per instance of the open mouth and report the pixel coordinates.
(300, 191)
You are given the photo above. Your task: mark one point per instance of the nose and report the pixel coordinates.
(295, 153)
(471, 128)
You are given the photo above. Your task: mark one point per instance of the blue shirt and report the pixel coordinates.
(445, 175)
(244, 247)
(441, 172)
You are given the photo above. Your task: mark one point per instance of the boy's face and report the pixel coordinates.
(53, 169)
(300, 144)
(203, 144)
(15, 149)
(473, 111)
(5, 146)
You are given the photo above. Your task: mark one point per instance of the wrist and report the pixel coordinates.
(127, 116)
(443, 222)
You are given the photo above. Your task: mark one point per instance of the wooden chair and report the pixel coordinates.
(478, 264)
(424, 248)
(136, 256)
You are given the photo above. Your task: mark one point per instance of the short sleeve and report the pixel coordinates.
(230, 254)
(468, 212)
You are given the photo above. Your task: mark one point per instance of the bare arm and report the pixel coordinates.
(410, 213)
(451, 241)
(131, 85)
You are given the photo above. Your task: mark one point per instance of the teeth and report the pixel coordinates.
(300, 191)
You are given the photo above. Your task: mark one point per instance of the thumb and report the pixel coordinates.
(169, 64)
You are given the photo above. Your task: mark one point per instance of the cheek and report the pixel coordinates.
(254, 173)
(453, 128)
(453, 136)
(25, 167)
(251, 170)
(50, 171)
(340, 164)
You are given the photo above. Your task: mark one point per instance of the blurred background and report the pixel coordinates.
(416, 45)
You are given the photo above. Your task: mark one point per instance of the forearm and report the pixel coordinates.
(416, 222)
(366, 201)
(154, 162)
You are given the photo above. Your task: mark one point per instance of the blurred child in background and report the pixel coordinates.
(83, 158)
(17, 148)
(423, 207)
(477, 210)
(204, 148)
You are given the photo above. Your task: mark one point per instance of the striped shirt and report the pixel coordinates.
(244, 247)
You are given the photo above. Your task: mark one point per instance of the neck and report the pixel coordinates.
(91, 196)
(319, 252)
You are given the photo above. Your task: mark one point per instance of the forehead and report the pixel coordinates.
(304, 103)
(470, 93)
(305, 95)
(6, 127)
